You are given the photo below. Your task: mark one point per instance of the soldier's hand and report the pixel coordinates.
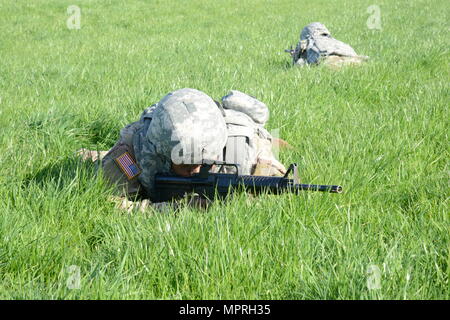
(269, 167)
(145, 205)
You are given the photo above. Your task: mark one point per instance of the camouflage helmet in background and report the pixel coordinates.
(313, 30)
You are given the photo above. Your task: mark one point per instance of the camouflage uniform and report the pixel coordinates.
(250, 143)
(187, 126)
(316, 46)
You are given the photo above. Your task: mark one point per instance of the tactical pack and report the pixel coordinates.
(245, 117)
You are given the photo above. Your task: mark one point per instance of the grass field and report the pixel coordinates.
(379, 130)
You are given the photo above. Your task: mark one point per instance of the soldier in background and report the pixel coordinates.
(316, 46)
(179, 132)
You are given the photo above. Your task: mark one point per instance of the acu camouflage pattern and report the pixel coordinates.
(255, 109)
(316, 45)
(249, 144)
(111, 170)
(189, 117)
(185, 126)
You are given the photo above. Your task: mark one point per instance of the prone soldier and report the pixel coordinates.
(316, 45)
(183, 129)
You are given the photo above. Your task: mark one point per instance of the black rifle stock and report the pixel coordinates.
(208, 185)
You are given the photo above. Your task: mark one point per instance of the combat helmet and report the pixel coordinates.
(314, 30)
(187, 127)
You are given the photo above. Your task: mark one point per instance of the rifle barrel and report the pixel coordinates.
(319, 187)
(278, 184)
(169, 186)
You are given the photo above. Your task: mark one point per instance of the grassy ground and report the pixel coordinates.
(380, 130)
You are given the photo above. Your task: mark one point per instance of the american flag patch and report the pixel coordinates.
(128, 166)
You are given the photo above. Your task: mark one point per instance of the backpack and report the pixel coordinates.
(245, 117)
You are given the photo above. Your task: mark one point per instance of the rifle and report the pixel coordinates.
(291, 51)
(208, 185)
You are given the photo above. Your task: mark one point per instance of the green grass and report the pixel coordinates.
(379, 130)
